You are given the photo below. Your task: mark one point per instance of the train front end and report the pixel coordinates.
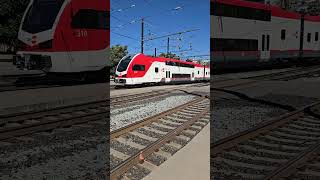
(36, 34)
(122, 77)
(64, 36)
(132, 70)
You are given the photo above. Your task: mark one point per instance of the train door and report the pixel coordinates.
(167, 76)
(282, 43)
(265, 47)
(157, 74)
(192, 76)
(204, 73)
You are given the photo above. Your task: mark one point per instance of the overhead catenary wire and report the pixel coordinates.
(149, 23)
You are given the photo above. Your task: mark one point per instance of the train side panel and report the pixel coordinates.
(272, 40)
(235, 41)
(149, 70)
(285, 38)
(311, 40)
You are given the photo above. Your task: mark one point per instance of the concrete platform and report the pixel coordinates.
(190, 163)
(41, 99)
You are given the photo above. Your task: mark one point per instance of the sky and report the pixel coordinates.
(162, 17)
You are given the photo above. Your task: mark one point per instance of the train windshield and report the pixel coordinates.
(41, 15)
(123, 65)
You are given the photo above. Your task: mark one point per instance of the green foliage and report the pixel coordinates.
(170, 55)
(11, 12)
(116, 53)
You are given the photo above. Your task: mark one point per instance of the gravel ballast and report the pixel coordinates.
(126, 115)
(235, 115)
(74, 154)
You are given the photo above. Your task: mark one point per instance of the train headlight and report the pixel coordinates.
(122, 81)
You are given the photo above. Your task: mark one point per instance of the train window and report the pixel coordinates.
(41, 15)
(309, 37)
(283, 34)
(156, 69)
(138, 67)
(268, 42)
(263, 41)
(180, 75)
(316, 36)
(227, 10)
(219, 44)
(198, 72)
(90, 19)
(123, 65)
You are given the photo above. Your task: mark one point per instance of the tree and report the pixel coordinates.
(170, 55)
(117, 52)
(11, 12)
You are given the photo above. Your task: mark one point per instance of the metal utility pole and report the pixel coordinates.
(142, 34)
(168, 42)
(155, 52)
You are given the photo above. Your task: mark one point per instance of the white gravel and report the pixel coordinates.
(124, 116)
(75, 166)
(237, 116)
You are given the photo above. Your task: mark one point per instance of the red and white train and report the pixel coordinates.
(245, 34)
(140, 69)
(65, 37)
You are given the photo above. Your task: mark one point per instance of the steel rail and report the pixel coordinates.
(153, 147)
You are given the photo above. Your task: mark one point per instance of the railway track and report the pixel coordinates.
(303, 168)
(289, 75)
(126, 99)
(23, 124)
(280, 76)
(20, 124)
(198, 84)
(140, 147)
(272, 150)
(38, 81)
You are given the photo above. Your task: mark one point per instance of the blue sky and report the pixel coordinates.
(162, 17)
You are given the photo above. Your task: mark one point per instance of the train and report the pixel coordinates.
(250, 34)
(70, 38)
(140, 69)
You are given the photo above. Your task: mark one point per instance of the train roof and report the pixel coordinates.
(275, 11)
(163, 59)
(243, 4)
(312, 18)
